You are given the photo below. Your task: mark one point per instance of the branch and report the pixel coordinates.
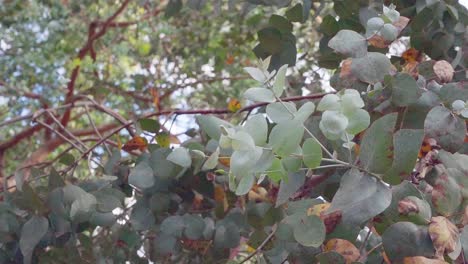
(259, 248)
(82, 53)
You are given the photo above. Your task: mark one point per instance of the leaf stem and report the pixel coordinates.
(259, 248)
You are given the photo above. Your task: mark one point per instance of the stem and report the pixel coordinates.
(257, 250)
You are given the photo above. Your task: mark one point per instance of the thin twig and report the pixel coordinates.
(374, 248)
(95, 129)
(259, 248)
(60, 135)
(65, 129)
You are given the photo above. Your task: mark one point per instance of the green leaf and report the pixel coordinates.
(289, 187)
(280, 23)
(399, 192)
(194, 226)
(150, 125)
(106, 201)
(196, 4)
(304, 112)
(276, 172)
(349, 43)
(260, 95)
(406, 145)
(82, 207)
(358, 119)
(405, 90)
(270, 39)
(242, 162)
(31, 233)
(181, 157)
(371, 68)
(329, 102)
(311, 153)
(142, 217)
(256, 74)
(141, 176)
(351, 100)
(329, 26)
(376, 148)
(405, 239)
(285, 137)
(212, 161)
(446, 193)
(162, 168)
(257, 127)
(280, 81)
(172, 8)
(103, 219)
(173, 225)
(245, 184)
(67, 159)
(330, 257)
(295, 14)
(278, 111)
(360, 197)
(242, 140)
(308, 231)
(227, 236)
(292, 163)
(448, 129)
(333, 124)
(415, 210)
(211, 125)
(55, 180)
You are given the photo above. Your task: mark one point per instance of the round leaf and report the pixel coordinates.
(312, 153)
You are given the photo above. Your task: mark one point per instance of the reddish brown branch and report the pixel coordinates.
(82, 53)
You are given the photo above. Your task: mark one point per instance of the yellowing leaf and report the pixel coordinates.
(411, 55)
(163, 140)
(173, 139)
(318, 209)
(234, 105)
(444, 235)
(344, 247)
(226, 161)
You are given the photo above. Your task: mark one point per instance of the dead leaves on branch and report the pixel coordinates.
(444, 235)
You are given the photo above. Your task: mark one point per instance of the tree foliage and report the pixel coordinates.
(192, 131)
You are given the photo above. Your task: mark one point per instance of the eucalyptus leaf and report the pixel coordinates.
(260, 95)
(349, 42)
(371, 68)
(181, 157)
(141, 176)
(360, 197)
(31, 233)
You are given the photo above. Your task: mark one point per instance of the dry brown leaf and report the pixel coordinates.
(346, 69)
(135, 143)
(443, 70)
(444, 235)
(407, 206)
(378, 42)
(411, 68)
(331, 220)
(347, 249)
(401, 23)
